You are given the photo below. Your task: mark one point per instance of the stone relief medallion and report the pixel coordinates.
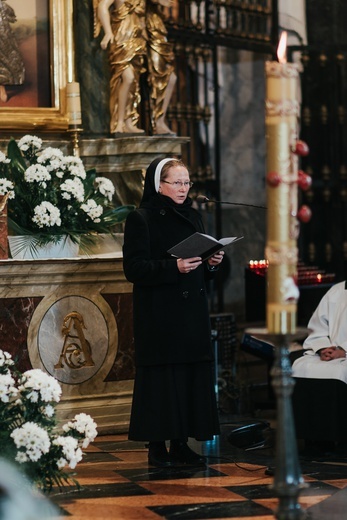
(73, 339)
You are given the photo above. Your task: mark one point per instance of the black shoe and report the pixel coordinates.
(182, 454)
(159, 457)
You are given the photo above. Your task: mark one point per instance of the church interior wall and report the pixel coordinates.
(242, 132)
(242, 137)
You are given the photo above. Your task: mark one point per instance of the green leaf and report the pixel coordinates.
(122, 212)
(17, 159)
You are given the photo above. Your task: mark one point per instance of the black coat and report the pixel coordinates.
(171, 315)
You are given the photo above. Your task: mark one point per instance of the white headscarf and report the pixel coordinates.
(157, 172)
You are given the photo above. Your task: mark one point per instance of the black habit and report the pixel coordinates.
(174, 393)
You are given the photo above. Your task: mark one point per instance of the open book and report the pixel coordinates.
(201, 245)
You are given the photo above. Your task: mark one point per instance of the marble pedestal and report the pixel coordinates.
(124, 154)
(73, 319)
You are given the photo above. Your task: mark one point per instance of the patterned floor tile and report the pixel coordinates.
(117, 483)
(220, 510)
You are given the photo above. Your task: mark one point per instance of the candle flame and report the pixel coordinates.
(282, 48)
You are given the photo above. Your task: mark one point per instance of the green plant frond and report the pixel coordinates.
(118, 215)
(16, 228)
(17, 159)
(89, 183)
(32, 244)
(90, 172)
(26, 243)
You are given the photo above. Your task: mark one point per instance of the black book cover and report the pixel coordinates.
(201, 245)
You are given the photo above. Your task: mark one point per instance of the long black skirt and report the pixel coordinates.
(174, 402)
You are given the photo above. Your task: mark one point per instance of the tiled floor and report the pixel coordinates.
(117, 483)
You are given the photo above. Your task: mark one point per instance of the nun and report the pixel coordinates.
(174, 391)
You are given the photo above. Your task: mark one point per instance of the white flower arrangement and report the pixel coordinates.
(51, 196)
(28, 432)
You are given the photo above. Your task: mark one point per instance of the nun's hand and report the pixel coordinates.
(216, 258)
(185, 265)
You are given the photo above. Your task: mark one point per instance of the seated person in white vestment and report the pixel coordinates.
(325, 348)
(320, 391)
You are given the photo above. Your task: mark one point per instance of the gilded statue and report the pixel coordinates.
(136, 38)
(161, 77)
(11, 64)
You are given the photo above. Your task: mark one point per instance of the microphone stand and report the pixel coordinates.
(204, 200)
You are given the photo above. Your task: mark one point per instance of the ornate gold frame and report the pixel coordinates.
(50, 119)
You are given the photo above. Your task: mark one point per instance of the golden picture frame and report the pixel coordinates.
(60, 69)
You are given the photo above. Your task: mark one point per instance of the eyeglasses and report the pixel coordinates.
(179, 184)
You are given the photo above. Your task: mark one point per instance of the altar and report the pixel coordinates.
(72, 318)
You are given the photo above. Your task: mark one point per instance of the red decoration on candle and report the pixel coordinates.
(273, 179)
(304, 180)
(304, 214)
(301, 148)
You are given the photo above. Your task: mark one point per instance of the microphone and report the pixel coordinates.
(204, 199)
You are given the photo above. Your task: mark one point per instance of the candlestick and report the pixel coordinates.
(282, 111)
(74, 133)
(73, 103)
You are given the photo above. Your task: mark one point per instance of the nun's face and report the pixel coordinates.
(176, 185)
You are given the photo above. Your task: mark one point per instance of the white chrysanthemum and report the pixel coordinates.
(29, 140)
(33, 439)
(46, 214)
(37, 173)
(45, 385)
(72, 453)
(52, 158)
(3, 158)
(21, 457)
(7, 186)
(85, 425)
(74, 166)
(61, 463)
(105, 186)
(49, 410)
(33, 396)
(72, 188)
(5, 359)
(93, 210)
(7, 387)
